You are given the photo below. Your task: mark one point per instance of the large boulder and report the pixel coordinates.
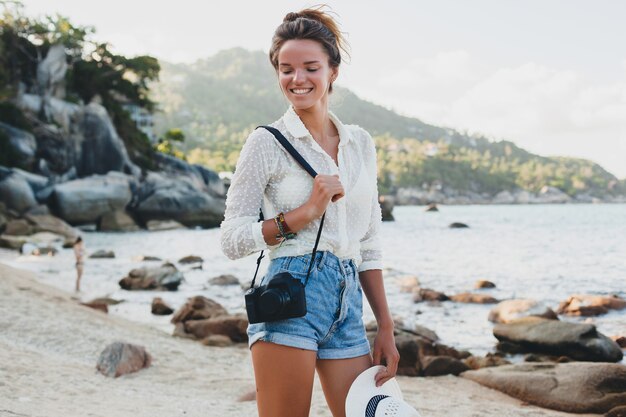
(58, 152)
(101, 150)
(235, 327)
(509, 310)
(165, 277)
(590, 305)
(177, 198)
(40, 240)
(15, 192)
(552, 195)
(86, 200)
(579, 341)
(570, 387)
(117, 221)
(23, 144)
(52, 224)
(198, 308)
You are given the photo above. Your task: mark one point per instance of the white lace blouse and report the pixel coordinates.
(267, 176)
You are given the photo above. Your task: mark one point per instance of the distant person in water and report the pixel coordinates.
(79, 252)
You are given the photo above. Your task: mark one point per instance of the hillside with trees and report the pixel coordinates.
(220, 99)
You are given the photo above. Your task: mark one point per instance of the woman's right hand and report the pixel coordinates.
(326, 188)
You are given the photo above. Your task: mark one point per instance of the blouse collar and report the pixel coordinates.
(297, 129)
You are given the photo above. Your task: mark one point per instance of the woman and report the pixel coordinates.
(79, 253)
(306, 53)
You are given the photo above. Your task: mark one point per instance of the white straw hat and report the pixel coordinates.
(365, 399)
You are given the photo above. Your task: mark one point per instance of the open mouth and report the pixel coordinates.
(300, 91)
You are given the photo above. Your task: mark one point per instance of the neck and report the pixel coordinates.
(317, 120)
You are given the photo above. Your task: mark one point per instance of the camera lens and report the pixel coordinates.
(272, 301)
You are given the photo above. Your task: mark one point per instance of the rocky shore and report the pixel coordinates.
(54, 344)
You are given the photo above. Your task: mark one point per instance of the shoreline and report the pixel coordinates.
(49, 346)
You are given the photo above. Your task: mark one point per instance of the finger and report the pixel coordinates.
(381, 377)
(377, 356)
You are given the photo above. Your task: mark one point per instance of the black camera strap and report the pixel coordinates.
(308, 168)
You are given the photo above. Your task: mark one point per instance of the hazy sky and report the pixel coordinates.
(549, 75)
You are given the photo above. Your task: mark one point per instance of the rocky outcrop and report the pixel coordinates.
(87, 200)
(117, 221)
(119, 359)
(510, 310)
(202, 318)
(590, 305)
(570, 387)
(15, 192)
(579, 341)
(177, 198)
(198, 308)
(23, 143)
(165, 277)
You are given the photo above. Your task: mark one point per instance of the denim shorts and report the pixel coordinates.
(333, 325)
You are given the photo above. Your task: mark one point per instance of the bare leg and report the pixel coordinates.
(284, 379)
(336, 376)
(79, 274)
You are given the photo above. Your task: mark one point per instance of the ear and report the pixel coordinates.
(334, 74)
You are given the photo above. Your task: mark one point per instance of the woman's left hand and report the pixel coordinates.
(385, 351)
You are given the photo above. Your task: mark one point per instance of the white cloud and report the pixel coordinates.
(545, 110)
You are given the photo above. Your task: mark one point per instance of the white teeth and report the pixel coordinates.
(301, 90)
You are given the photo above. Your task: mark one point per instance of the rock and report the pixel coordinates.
(102, 254)
(179, 331)
(107, 301)
(569, 387)
(620, 340)
(590, 305)
(160, 225)
(442, 365)
(509, 310)
(38, 239)
(40, 210)
(101, 149)
(49, 223)
(16, 194)
(484, 284)
(552, 195)
(147, 258)
(235, 327)
(503, 197)
(426, 294)
(457, 225)
(97, 306)
(217, 340)
(117, 221)
(577, 340)
(165, 277)
(387, 203)
(432, 207)
(475, 362)
(248, 396)
(86, 200)
(473, 298)
(18, 227)
(408, 283)
(23, 144)
(619, 411)
(198, 308)
(122, 358)
(538, 357)
(190, 259)
(177, 198)
(420, 331)
(224, 280)
(159, 308)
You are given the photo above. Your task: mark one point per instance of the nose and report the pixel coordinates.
(299, 76)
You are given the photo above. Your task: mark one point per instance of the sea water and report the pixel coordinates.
(542, 252)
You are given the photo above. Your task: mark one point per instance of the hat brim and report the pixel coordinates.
(364, 388)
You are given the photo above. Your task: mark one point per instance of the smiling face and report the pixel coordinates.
(304, 74)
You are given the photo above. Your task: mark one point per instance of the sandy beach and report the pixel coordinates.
(49, 345)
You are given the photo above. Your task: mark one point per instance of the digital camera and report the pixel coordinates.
(281, 298)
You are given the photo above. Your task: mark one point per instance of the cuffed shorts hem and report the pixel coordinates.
(344, 353)
(284, 339)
